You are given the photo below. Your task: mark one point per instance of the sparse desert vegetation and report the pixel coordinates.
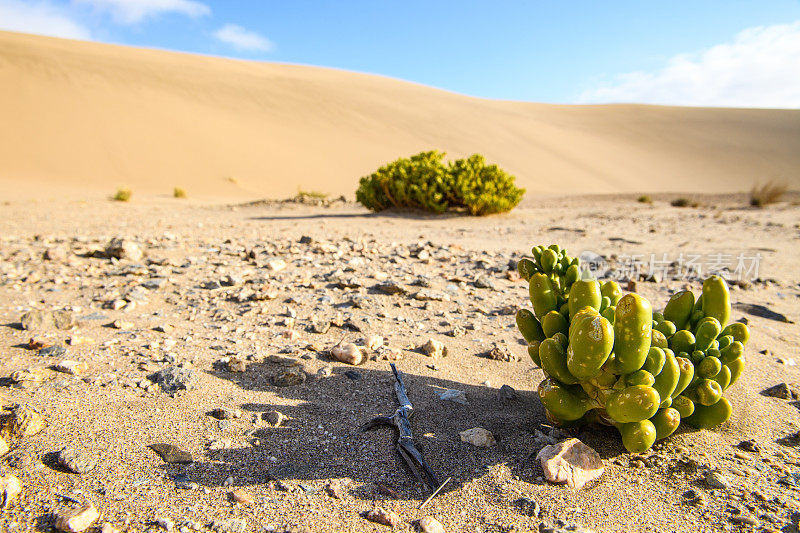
(645, 199)
(424, 181)
(769, 193)
(179, 192)
(683, 202)
(123, 194)
(311, 195)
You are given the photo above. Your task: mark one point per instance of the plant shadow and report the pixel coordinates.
(399, 213)
(321, 439)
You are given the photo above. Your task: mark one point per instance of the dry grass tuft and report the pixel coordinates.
(179, 192)
(683, 202)
(769, 193)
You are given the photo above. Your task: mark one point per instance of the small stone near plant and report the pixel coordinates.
(33, 320)
(716, 480)
(348, 353)
(274, 418)
(500, 352)
(242, 496)
(374, 342)
(75, 461)
(74, 368)
(173, 379)
(434, 348)
(289, 377)
(784, 391)
(77, 520)
(10, 489)
(379, 515)
(334, 489)
(506, 393)
(224, 413)
(171, 453)
(63, 319)
(122, 248)
(428, 524)
(123, 324)
(454, 395)
(479, 437)
(571, 462)
(236, 364)
(23, 421)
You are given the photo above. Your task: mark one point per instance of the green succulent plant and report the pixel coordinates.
(608, 358)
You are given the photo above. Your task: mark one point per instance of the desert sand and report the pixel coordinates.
(81, 119)
(236, 295)
(241, 302)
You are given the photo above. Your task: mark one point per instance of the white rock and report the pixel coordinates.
(374, 342)
(71, 367)
(77, 520)
(454, 395)
(123, 248)
(165, 523)
(479, 437)
(571, 462)
(434, 349)
(10, 489)
(276, 265)
(348, 353)
(716, 480)
(428, 524)
(3, 447)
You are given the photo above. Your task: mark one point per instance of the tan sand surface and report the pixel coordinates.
(172, 316)
(80, 119)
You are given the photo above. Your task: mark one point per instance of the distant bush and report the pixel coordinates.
(179, 192)
(769, 193)
(122, 195)
(644, 199)
(424, 182)
(683, 202)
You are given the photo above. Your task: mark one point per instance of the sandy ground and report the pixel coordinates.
(112, 412)
(81, 119)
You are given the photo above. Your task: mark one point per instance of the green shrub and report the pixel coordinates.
(424, 182)
(179, 192)
(644, 199)
(122, 195)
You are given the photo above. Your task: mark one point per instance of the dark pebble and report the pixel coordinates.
(171, 454)
(52, 351)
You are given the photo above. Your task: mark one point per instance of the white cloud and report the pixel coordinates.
(40, 18)
(242, 39)
(759, 68)
(135, 11)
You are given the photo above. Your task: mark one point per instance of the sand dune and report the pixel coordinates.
(88, 117)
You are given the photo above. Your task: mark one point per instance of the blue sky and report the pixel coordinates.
(729, 53)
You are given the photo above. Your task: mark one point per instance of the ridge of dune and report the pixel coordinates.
(85, 116)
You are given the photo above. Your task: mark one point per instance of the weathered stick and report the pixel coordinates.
(405, 441)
